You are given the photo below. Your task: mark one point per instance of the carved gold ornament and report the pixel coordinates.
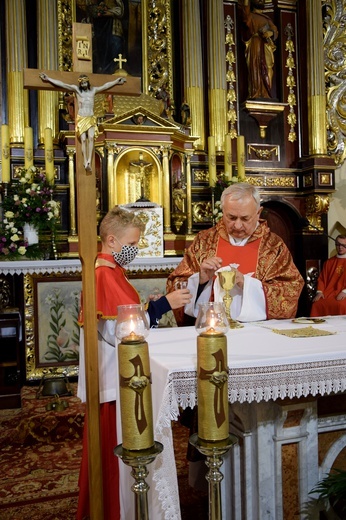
(290, 82)
(335, 74)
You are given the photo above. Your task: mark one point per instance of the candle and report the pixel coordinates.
(228, 156)
(5, 153)
(28, 147)
(212, 160)
(49, 155)
(241, 157)
(212, 386)
(135, 393)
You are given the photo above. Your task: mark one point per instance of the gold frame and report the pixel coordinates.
(34, 369)
(157, 59)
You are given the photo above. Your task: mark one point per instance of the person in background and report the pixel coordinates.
(120, 231)
(267, 283)
(330, 298)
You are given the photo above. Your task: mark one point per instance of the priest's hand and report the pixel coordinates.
(341, 296)
(179, 298)
(208, 268)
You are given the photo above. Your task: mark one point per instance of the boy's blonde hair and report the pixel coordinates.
(117, 220)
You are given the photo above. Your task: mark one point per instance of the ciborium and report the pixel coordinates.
(227, 282)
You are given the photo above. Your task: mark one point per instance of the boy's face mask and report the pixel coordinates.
(126, 255)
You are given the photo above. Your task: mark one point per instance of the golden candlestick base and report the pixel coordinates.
(138, 460)
(214, 452)
(227, 281)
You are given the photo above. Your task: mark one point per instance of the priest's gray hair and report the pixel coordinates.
(117, 220)
(241, 190)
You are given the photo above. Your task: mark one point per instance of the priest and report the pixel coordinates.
(267, 283)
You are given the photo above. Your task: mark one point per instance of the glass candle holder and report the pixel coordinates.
(132, 324)
(212, 318)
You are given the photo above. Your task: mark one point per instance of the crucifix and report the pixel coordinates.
(87, 235)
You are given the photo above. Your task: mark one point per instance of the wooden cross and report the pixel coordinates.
(87, 234)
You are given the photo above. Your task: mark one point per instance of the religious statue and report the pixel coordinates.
(165, 97)
(86, 124)
(185, 113)
(179, 197)
(141, 168)
(259, 48)
(69, 104)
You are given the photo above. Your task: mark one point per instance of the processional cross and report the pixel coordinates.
(87, 235)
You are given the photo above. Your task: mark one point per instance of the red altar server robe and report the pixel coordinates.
(331, 282)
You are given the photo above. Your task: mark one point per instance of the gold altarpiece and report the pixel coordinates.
(288, 154)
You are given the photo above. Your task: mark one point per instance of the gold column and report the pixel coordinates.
(217, 73)
(316, 85)
(16, 61)
(193, 76)
(110, 175)
(188, 193)
(166, 190)
(71, 151)
(48, 101)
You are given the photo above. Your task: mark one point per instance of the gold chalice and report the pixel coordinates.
(227, 281)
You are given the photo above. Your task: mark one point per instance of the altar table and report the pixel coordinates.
(263, 367)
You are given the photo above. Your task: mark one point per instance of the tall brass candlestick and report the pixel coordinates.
(49, 155)
(135, 393)
(212, 160)
(5, 153)
(228, 156)
(212, 386)
(28, 147)
(241, 157)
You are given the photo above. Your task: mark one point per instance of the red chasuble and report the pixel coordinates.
(271, 262)
(246, 257)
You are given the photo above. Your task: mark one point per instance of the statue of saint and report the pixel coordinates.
(259, 48)
(179, 197)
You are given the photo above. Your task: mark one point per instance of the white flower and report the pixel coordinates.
(9, 214)
(15, 198)
(21, 250)
(15, 238)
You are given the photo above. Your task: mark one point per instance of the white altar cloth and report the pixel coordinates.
(262, 366)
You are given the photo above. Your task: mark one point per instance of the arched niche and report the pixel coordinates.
(284, 220)
(137, 176)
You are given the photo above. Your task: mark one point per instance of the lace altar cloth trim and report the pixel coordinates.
(265, 383)
(40, 267)
(74, 265)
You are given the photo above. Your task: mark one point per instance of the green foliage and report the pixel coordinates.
(333, 488)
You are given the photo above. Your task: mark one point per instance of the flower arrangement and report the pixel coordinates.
(28, 201)
(221, 184)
